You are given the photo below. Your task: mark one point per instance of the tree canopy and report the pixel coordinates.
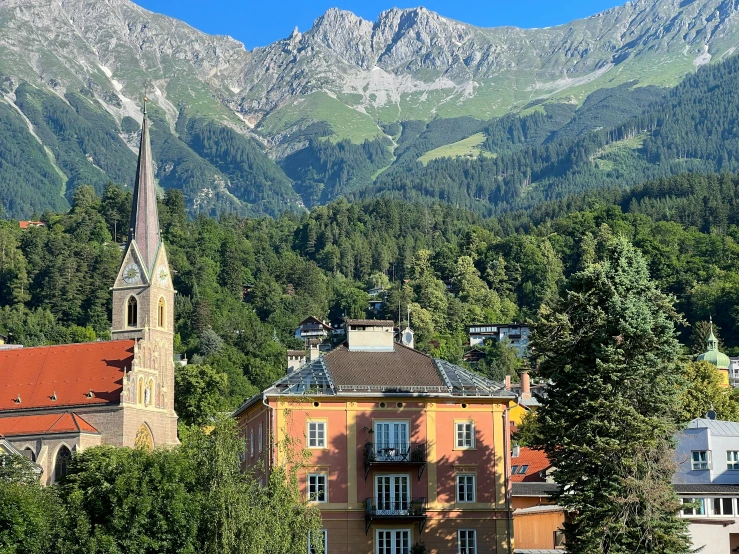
(609, 350)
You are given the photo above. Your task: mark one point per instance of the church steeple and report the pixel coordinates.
(143, 310)
(713, 356)
(144, 226)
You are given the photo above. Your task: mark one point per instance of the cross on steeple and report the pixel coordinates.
(146, 92)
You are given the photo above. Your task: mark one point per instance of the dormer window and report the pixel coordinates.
(701, 460)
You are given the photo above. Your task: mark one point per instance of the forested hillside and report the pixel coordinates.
(545, 156)
(413, 106)
(244, 284)
(618, 137)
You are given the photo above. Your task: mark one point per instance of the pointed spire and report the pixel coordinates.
(144, 226)
(711, 341)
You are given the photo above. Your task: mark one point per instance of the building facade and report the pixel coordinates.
(707, 481)
(537, 521)
(62, 399)
(516, 335)
(403, 448)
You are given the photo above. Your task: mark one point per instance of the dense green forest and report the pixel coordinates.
(245, 283)
(617, 137)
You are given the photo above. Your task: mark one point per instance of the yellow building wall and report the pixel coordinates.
(516, 413)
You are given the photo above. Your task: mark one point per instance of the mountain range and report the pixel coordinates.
(347, 108)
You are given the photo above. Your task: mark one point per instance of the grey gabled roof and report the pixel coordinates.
(311, 378)
(380, 373)
(463, 382)
(718, 428)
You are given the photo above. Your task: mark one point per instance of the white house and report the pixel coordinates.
(707, 477)
(516, 334)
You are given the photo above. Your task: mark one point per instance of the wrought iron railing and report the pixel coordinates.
(395, 452)
(403, 507)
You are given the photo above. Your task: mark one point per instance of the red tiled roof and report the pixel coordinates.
(71, 371)
(402, 367)
(44, 424)
(27, 224)
(314, 319)
(536, 460)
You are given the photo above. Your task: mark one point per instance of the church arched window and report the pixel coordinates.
(61, 465)
(132, 312)
(161, 314)
(29, 453)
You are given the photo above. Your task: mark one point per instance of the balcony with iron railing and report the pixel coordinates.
(388, 509)
(394, 453)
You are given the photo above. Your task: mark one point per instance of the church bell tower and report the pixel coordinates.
(143, 308)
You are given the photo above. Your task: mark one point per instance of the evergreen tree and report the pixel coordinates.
(608, 420)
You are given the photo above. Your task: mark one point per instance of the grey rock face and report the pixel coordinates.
(113, 46)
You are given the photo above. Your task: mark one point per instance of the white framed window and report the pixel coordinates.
(732, 459)
(391, 441)
(393, 494)
(701, 459)
(467, 541)
(722, 506)
(317, 487)
(465, 434)
(698, 507)
(465, 488)
(393, 541)
(261, 438)
(322, 540)
(316, 434)
(251, 442)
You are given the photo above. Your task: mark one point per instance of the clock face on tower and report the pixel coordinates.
(162, 275)
(131, 274)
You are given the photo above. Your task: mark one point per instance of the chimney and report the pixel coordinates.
(507, 382)
(525, 385)
(516, 451)
(370, 335)
(314, 350)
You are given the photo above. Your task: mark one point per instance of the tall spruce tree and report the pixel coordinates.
(607, 423)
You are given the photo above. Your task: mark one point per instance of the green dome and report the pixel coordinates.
(712, 355)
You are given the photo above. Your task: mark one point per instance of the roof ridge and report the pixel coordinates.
(56, 421)
(442, 374)
(74, 420)
(72, 344)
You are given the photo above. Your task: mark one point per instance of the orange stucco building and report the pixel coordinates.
(403, 448)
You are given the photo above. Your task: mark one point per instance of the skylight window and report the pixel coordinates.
(523, 469)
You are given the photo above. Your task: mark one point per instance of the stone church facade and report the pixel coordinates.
(56, 400)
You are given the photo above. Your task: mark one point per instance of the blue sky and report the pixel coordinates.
(258, 23)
